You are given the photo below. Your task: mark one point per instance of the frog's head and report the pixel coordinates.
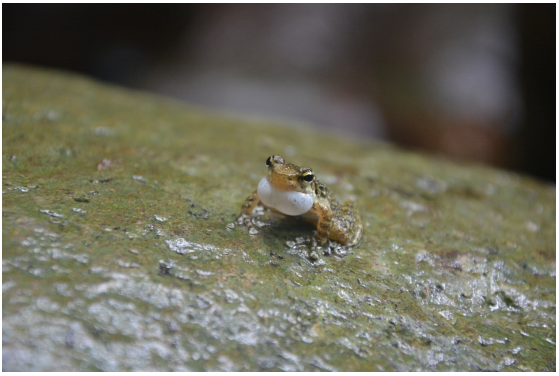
(287, 188)
(287, 176)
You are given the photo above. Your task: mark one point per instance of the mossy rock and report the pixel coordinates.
(117, 253)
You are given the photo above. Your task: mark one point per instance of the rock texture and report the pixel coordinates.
(119, 253)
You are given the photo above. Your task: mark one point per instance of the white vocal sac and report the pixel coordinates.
(286, 202)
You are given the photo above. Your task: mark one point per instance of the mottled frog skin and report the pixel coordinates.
(296, 191)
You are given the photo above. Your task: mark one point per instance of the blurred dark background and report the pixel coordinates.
(473, 82)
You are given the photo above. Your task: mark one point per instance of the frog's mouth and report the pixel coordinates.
(286, 202)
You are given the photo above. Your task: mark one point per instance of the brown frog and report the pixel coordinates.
(296, 191)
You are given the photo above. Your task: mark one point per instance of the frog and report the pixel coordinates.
(296, 191)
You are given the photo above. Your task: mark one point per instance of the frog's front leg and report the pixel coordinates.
(324, 224)
(251, 202)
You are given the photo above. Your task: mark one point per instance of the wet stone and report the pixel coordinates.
(51, 213)
(140, 179)
(165, 267)
(252, 231)
(455, 271)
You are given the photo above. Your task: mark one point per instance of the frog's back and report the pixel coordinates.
(321, 190)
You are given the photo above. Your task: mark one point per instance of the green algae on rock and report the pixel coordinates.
(117, 254)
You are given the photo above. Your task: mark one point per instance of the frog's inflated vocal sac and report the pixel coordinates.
(296, 191)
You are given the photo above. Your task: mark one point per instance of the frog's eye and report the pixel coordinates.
(268, 161)
(308, 176)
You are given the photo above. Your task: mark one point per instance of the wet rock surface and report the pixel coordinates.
(120, 249)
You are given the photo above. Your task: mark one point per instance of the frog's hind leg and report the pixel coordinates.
(349, 229)
(324, 224)
(351, 214)
(250, 203)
